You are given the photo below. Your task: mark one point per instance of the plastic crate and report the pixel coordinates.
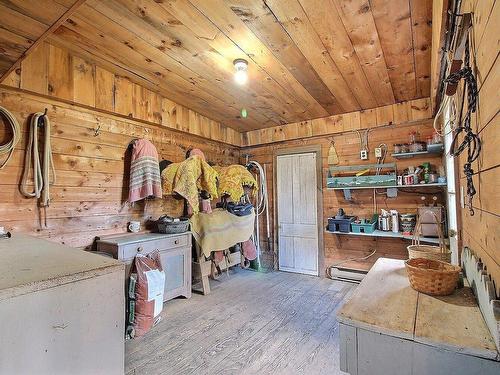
(340, 225)
(365, 227)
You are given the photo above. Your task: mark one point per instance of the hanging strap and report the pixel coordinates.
(471, 141)
(42, 170)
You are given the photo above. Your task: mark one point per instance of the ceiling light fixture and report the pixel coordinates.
(241, 74)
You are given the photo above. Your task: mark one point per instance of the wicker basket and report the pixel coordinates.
(432, 276)
(173, 227)
(416, 250)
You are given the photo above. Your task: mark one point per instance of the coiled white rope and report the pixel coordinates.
(261, 207)
(42, 171)
(8, 148)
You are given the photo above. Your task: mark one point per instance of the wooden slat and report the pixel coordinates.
(330, 29)
(44, 11)
(439, 25)
(104, 89)
(393, 22)
(421, 19)
(359, 24)
(401, 113)
(60, 73)
(20, 24)
(178, 88)
(229, 23)
(293, 18)
(72, 9)
(152, 30)
(34, 70)
(263, 24)
(83, 82)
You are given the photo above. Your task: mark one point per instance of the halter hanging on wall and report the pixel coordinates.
(458, 71)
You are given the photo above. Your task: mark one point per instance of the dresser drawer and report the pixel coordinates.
(128, 252)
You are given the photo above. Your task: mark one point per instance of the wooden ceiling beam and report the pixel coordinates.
(69, 12)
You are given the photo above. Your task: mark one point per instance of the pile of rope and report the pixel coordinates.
(8, 148)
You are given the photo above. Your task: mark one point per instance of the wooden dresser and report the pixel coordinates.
(387, 328)
(175, 255)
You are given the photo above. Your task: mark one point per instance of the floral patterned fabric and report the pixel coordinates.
(232, 179)
(188, 177)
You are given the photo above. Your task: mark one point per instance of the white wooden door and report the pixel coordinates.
(297, 213)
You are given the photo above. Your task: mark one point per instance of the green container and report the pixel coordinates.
(365, 227)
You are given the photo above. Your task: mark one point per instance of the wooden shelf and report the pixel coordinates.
(379, 233)
(437, 184)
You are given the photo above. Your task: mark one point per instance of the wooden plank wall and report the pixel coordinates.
(481, 232)
(404, 112)
(53, 71)
(88, 198)
(340, 248)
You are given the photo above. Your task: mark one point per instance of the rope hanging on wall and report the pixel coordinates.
(42, 171)
(471, 141)
(8, 148)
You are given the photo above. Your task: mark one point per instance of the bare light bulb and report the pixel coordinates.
(241, 74)
(241, 77)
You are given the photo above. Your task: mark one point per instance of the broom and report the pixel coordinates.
(333, 158)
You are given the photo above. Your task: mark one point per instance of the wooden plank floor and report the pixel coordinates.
(251, 323)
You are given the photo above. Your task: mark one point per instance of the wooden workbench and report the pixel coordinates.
(388, 328)
(61, 309)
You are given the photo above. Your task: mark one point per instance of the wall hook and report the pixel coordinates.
(97, 131)
(41, 121)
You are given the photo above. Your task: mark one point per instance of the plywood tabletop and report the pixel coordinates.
(454, 322)
(384, 302)
(28, 264)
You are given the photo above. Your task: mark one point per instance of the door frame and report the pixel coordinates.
(319, 195)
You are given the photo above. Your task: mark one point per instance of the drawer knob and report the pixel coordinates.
(139, 249)
(176, 242)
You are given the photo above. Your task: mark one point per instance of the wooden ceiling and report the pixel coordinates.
(307, 58)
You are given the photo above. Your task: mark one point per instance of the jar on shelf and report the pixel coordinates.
(429, 140)
(436, 138)
(397, 148)
(417, 147)
(413, 137)
(405, 148)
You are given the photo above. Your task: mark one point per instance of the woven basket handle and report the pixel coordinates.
(418, 231)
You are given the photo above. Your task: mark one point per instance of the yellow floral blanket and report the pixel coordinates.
(232, 179)
(188, 177)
